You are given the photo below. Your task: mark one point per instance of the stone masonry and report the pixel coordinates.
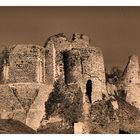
(29, 72)
(131, 81)
(23, 90)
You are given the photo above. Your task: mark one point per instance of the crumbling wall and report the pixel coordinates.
(23, 74)
(24, 102)
(10, 107)
(55, 46)
(79, 41)
(75, 72)
(131, 81)
(37, 108)
(63, 108)
(25, 64)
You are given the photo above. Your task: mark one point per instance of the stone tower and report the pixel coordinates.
(85, 66)
(131, 81)
(77, 62)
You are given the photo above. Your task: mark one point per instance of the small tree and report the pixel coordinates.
(114, 75)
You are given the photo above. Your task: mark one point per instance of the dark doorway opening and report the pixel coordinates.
(89, 90)
(123, 132)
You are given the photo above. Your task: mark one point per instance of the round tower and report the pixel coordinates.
(93, 73)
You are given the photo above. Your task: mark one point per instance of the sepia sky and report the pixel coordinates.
(114, 29)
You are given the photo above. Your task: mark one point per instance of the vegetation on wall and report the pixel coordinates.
(114, 75)
(65, 101)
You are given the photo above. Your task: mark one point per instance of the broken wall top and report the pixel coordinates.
(61, 43)
(131, 72)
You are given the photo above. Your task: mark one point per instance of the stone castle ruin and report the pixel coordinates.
(29, 72)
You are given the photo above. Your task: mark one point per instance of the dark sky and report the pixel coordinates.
(114, 29)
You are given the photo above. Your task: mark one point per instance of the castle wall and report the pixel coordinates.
(23, 64)
(37, 108)
(24, 102)
(10, 107)
(22, 82)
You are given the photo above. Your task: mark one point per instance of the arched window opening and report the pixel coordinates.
(89, 90)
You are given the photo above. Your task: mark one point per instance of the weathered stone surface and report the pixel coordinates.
(85, 64)
(80, 41)
(131, 81)
(23, 63)
(61, 88)
(24, 102)
(37, 108)
(22, 71)
(10, 107)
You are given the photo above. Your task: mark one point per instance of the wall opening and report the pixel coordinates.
(89, 90)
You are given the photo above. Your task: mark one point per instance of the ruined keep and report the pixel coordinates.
(77, 62)
(62, 85)
(28, 73)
